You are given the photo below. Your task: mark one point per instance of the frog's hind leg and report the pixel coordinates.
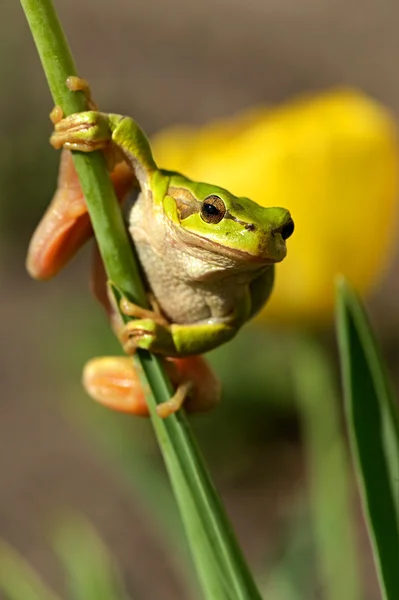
(114, 382)
(196, 385)
(65, 226)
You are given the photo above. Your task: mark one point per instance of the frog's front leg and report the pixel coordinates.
(92, 130)
(114, 382)
(150, 331)
(176, 340)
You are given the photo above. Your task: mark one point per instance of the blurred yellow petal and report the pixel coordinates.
(332, 160)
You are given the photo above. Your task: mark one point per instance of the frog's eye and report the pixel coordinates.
(213, 209)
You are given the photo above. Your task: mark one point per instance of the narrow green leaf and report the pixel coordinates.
(91, 571)
(373, 425)
(18, 580)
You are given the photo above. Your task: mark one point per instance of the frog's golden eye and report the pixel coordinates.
(213, 209)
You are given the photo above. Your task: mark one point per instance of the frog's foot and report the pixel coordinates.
(205, 391)
(113, 381)
(150, 334)
(85, 132)
(149, 330)
(66, 130)
(133, 310)
(165, 409)
(74, 84)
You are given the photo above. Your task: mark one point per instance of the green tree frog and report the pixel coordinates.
(207, 257)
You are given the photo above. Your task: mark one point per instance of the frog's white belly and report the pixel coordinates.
(184, 300)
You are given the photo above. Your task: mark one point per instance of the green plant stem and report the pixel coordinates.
(220, 564)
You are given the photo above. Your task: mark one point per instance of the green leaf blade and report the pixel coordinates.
(373, 427)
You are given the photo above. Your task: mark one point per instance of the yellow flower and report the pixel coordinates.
(332, 160)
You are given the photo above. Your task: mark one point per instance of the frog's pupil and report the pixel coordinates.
(213, 209)
(210, 209)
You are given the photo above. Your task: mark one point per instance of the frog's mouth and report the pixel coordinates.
(270, 249)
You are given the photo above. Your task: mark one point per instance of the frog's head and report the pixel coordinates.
(211, 218)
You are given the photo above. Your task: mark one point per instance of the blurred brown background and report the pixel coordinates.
(162, 62)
